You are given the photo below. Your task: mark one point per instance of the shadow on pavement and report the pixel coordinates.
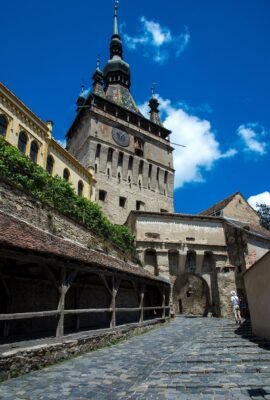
(245, 331)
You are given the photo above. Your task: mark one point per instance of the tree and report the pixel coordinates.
(263, 211)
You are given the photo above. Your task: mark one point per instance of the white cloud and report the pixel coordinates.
(261, 198)
(62, 142)
(252, 135)
(157, 40)
(202, 148)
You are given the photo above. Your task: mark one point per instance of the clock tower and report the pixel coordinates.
(131, 155)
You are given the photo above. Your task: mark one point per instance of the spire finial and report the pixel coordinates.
(98, 60)
(115, 26)
(154, 84)
(82, 86)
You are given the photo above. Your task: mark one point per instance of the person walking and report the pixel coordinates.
(236, 307)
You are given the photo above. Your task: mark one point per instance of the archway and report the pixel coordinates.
(191, 295)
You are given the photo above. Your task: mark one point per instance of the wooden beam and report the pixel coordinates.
(28, 315)
(87, 310)
(104, 280)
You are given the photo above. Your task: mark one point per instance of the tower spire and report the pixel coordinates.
(116, 44)
(115, 19)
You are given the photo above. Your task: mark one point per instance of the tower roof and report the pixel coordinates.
(116, 72)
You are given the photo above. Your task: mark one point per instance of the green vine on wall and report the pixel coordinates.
(59, 194)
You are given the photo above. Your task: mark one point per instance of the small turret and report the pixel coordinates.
(154, 111)
(98, 80)
(81, 99)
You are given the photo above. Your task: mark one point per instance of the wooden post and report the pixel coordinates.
(163, 303)
(78, 290)
(141, 303)
(61, 304)
(115, 287)
(8, 302)
(65, 283)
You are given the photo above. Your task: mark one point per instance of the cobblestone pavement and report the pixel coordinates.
(191, 358)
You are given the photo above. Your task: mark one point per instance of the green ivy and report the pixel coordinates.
(59, 194)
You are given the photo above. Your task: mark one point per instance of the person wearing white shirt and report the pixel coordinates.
(236, 307)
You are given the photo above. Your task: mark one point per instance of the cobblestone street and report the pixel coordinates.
(191, 358)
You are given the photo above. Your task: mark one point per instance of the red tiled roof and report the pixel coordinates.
(17, 234)
(219, 206)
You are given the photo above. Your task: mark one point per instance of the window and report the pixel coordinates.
(157, 173)
(138, 144)
(108, 172)
(66, 174)
(140, 185)
(34, 151)
(3, 125)
(150, 171)
(110, 155)
(139, 205)
(120, 159)
(102, 195)
(22, 142)
(96, 168)
(80, 188)
(122, 202)
(119, 177)
(141, 168)
(98, 151)
(166, 177)
(49, 165)
(130, 162)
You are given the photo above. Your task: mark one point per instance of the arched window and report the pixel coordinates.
(130, 162)
(120, 159)
(3, 125)
(34, 151)
(98, 151)
(80, 188)
(49, 165)
(110, 155)
(22, 142)
(66, 174)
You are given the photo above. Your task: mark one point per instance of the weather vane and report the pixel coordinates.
(98, 60)
(153, 88)
(82, 86)
(115, 7)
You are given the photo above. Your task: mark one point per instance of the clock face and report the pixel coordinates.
(120, 137)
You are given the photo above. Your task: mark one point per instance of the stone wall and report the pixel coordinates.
(239, 209)
(22, 205)
(36, 355)
(257, 280)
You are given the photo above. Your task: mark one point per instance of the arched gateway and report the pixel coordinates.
(191, 295)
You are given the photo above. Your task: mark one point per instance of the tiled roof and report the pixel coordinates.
(17, 234)
(218, 206)
(121, 95)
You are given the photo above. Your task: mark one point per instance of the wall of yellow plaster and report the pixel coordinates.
(20, 118)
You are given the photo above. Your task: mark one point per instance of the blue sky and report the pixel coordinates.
(211, 62)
